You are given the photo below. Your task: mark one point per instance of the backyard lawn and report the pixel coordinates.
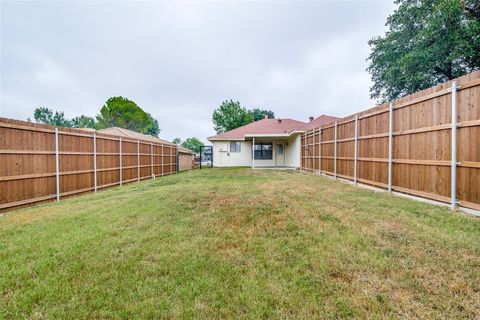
(239, 243)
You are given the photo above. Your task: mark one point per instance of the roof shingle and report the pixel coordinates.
(272, 127)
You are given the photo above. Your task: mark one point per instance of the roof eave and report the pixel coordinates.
(225, 139)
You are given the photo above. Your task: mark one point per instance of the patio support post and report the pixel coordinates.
(335, 153)
(355, 151)
(138, 160)
(390, 146)
(57, 166)
(95, 162)
(253, 153)
(120, 160)
(454, 147)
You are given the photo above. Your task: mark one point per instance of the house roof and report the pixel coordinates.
(264, 126)
(271, 127)
(320, 121)
(132, 134)
(184, 150)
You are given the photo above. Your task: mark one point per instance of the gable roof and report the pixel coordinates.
(271, 127)
(264, 126)
(320, 121)
(116, 131)
(185, 150)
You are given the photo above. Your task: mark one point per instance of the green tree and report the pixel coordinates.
(154, 128)
(428, 42)
(83, 122)
(230, 115)
(259, 114)
(48, 116)
(193, 144)
(124, 113)
(177, 141)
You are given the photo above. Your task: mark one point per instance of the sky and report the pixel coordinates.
(180, 60)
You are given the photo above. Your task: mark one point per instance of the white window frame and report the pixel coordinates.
(238, 147)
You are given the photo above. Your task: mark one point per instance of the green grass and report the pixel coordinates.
(237, 243)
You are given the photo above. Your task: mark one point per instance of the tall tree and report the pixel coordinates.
(428, 42)
(230, 115)
(259, 114)
(48, 116)
(124, 113)
(83, 122)
(193, 144)
(177, 141)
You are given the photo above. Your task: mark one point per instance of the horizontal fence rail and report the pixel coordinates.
(426, 144)
(41, 163)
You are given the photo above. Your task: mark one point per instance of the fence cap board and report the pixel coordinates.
(464, 82)
(26, 125)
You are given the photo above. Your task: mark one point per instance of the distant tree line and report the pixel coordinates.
(116, 112)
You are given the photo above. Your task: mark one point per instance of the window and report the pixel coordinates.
(263, 151)
(280, 149)
(235, 146)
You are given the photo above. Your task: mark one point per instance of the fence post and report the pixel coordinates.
(171, 162)
(57, 166)
(390, 146)
(120, 160)
(313, 151)
(305, 151)
(454, 147)
(151, 158)
(320, 150)
(177, 160)
(335, 153)
(355, 151)
(161, 151)
(138, 160)
(95, 162)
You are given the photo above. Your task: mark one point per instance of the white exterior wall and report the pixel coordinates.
(222, 157)
(292, 158)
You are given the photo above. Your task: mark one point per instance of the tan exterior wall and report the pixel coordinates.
(186, 161)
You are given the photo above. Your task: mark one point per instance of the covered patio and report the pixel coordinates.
(279, 151)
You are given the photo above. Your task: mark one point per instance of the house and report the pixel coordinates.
(122, 132)
(264, 143)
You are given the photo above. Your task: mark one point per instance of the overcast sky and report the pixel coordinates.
(179, 61)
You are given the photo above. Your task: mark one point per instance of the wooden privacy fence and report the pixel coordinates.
(426, 144)
(41, 163)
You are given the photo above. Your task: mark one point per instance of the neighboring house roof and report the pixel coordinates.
(184, 150)
(320, 121)
(271, 127)
(116, 131)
